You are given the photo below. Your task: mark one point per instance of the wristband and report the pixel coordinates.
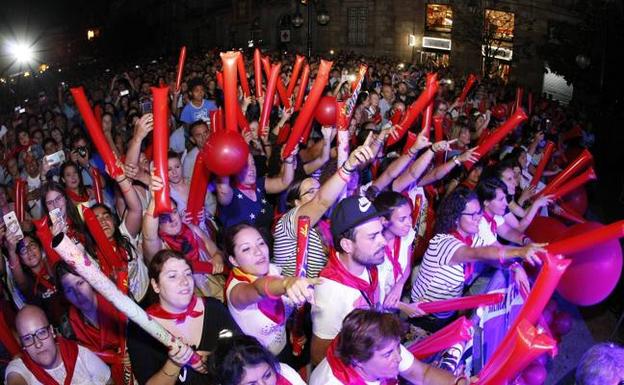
(456, 161)
(344, 167)
(343, 175)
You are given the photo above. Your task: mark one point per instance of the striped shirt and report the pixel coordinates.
(285, 247)
(437, 278)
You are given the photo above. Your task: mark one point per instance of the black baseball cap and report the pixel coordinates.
(351, 212)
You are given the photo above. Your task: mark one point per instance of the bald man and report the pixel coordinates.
(49, 359)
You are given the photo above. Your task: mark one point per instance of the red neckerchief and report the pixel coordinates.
(77, 198)
(185, 242)
(344, 373)
(69, 355)
(273, 309)
(245, 186)
(336, 271)
(157, 311)
(107, 341)
(490, 220)
(393, 257)
(43, 278)
(467, 240)
(281, 380)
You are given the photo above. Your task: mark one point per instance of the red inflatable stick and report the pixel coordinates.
(574, 183)
(409, 142)
(257, 72)
(230, 92)
(7, 339)
(281, 90)
(588, 239)
(428, 114)
(413, 111)
(541, 166)
(307, 132)
(20, 199)
(501, 132)
(181, 61)
(438, 136)
(216, 120)
(242, 75)
(303, 84)
(469, 83)
(95, 131)
(568, 213)
(220, 79)
(44, 234)
(97, 185)
(308, 108)
(520, 349)
(197, 190)
(462, 303)
(301, 271)
(241, 120)
(455, 332)
(347, 107)
(263, 124)
(109, 260)
(294, 76)
(578, 164)
(160, 95)
(519, 97)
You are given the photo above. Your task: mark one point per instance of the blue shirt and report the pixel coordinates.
(243, 210)
(191, 114)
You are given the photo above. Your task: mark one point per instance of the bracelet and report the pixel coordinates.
(167, 374)
(459, 379)
(456, 161)
(378, 141)
(343, 175)
(265, 289)
(411, 153)
(344, 167)
(287, 162)
(525, 239)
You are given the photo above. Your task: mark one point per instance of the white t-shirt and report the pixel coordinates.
(386, 269)
(89, 370)
(189, 163)
(323, 375)
(487, 236)
(254, 323)
(138, 277)
(332, 302)
(290, 374)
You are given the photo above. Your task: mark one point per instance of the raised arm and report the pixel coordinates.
(224, 191)
(142, 127)
(281, 182)
(151, 241)
(134, 208)
(318, 162)
(442, 170)
(397, 167)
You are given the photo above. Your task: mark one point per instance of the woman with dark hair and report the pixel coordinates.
(258, 297)
(448, 260)
(64, 217)
(368, 350)
(198, 322)
(242, 360)
(75, 188)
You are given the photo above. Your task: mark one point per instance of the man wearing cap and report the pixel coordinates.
(350, 279)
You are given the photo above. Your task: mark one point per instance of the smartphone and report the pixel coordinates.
(57, 217)
(146, 107)
(124, 93)
(56, 158)
(12, 225)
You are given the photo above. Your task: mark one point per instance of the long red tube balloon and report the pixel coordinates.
(160, 95)
(574, 183)
(216, 120)
(428, 114)
(308, 108)
(519, 97)
(97, 185)
(257, 72)
(197, 190)
(301, 270)
(303, 84)
(181, 61)
(20, 199)
(414, 110)
(44, 234)
(462, 303)
(230, 97)
(110, 260)
(95, 131)
(220, 79)
(242, 75)
(281, 90)
(294, 76)
(457, 331)
(588, 239)
(501, 132)
(541, 166)
(267, 106)
(569, 214)
(583, 160)
(469, 83)
(438, 136)
(7, 339)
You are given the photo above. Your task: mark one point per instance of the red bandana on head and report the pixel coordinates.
(157, 311)
(336, 271)
(69, 356)
(344, 373)
(272, 308)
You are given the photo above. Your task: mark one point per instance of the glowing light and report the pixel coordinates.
(90, 34)
(21, 52)
(401, 66)
(26, 74)
(43, 68)
(331, 51)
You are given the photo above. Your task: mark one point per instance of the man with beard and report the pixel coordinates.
(51, 359)
(350, 279)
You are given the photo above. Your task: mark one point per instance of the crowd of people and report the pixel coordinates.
(392, 227)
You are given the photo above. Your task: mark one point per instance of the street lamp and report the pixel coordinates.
(23, 53)
(322, 18)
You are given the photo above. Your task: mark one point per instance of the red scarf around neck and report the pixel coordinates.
(336, 271)
(77, 198)
(344, 373)
(466, 240)
(69, 355)
(491, 221)
(273, 309)
(157, 311)
(246, 186)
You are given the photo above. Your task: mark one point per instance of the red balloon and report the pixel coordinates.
(534, 374)
(562, 323)
(226, 153)
(594, 272)
(325, 112)
(576, 200)
(545, 229)
(499, 111)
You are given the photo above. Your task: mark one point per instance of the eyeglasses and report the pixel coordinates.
(41, 334)
(474, 216)
(56, 201)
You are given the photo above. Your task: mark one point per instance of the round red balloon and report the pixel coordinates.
(226, 153)
(325, 112)
(545, 229)
(593, 273)
(499, 111)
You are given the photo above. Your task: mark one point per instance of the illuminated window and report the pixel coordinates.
(439, 18)
(501, 24)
